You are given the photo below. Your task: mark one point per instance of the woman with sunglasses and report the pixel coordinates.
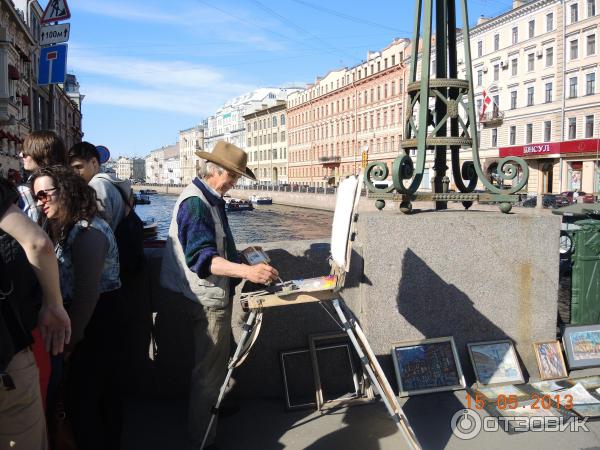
(89, 276)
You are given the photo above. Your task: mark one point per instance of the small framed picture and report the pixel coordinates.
(550, 360)
(425, 366)
(582, 346)
(495, 362)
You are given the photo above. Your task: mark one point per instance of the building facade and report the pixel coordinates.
(228, 122)
(24, 105)
(154, 165)
(266, 144)
(539, 64)
(138, 168)
(124, 168)
(190, 141)
(171, 173)
(347, 117)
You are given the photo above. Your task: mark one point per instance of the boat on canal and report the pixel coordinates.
(237, 204)
(141, 199)
(150, 228)
(148, 192)
(261, 200)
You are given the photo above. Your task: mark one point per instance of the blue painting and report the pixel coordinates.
(427, 366)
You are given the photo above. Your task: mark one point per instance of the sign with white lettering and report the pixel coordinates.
(536, 149)
(55, 34)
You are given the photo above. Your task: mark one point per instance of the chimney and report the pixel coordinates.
(519, 3)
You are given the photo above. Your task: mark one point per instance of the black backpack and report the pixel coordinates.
(130, 238)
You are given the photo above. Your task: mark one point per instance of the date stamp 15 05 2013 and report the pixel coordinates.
(534, 401)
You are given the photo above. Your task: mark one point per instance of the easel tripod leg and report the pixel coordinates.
(247, 329)
(370, 363)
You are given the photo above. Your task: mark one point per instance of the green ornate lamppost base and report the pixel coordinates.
(440, 117)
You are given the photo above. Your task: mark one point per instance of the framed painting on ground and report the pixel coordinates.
(550, 360)
(582, 346)
(495, 362)
(429, 365)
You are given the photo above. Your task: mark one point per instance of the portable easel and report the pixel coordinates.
(285, 294)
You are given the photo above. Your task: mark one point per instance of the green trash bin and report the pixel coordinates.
(585, 281)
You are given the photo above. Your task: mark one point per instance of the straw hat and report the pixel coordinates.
(229, 157)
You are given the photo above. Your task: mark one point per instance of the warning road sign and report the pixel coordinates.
(56, 11)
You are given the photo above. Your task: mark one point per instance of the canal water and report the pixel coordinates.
(266, 223)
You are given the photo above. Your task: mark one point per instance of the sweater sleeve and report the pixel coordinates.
(89, 250)
(196, 232)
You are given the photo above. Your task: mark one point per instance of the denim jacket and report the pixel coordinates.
(109, 280)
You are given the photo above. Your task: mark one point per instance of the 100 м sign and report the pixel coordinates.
(55, 34)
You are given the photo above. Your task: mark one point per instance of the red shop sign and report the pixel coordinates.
(579, 146)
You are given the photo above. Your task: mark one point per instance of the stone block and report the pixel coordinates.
(473, 275)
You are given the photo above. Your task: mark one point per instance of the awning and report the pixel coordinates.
(13, 72)
(25, 101)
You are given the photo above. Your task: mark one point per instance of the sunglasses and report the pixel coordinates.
(43, 196)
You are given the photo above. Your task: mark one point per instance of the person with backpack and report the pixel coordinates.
(116, 206)
(115, 203)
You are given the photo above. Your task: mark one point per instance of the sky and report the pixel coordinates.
(150, 68)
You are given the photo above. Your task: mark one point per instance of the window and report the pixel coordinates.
(479, 48)
(479, 77)
(572, 87)
(589, 126)
(282, 119)
(496, 72)
(590, 83)
(255, 126)
(531, 29)
(572, 128)
(549, 56)
(574, 13)
(529, 133)
(515, 67)
(515, 35)
(591, 8)
(547, 130)
(531, 62)
(513, 100)
(274, 121)
(249, 142)
(530, 95)
(549, 21)
(548, 96)
(393, 60)
(513, 135)
(496, 42)
(574, 49)
(591, 44)
(393, 88)
(494, 137)
(274, 138)
(283, 136)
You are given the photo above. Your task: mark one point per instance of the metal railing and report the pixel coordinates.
(330, 159)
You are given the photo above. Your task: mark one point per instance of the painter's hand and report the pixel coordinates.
(261, 273)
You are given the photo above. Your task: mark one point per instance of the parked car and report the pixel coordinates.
(585, 198)
(548, 201)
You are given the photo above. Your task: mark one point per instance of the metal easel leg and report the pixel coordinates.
(233, 362)
(376, 374)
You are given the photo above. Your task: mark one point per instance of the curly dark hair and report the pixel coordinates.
(76, 199)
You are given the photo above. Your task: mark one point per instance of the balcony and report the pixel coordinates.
(492, 119)
(330, 160)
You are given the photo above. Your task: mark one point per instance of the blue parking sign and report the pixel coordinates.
(53, 64)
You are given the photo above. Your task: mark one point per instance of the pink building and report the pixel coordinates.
(348, 117)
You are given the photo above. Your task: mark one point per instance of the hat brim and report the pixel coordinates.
(225, 164)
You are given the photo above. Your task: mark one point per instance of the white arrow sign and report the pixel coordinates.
(55, 34)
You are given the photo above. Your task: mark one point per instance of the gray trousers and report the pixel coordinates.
(212, 332)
